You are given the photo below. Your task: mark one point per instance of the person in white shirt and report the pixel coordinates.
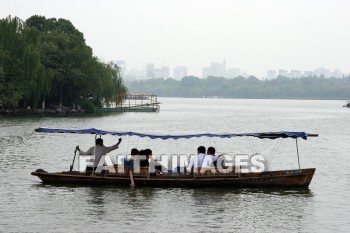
(197, 160)
(99, 150)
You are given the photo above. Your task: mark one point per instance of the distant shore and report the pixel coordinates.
(40, 112)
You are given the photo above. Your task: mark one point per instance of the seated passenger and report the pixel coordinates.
(197, 160)
(144, 158)
(124, 162)
(211, 153)
(218, 160)
(151, 160)
(149, 155)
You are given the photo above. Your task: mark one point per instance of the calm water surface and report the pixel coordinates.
(29, 206)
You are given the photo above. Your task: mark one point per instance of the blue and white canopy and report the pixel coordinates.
(269, 135)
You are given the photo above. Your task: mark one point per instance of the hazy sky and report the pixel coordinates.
(253, 35)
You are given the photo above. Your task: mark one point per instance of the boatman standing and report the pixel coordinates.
(99, 150)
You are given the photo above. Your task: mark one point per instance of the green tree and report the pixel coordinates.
(37, 76)
(76, 72)
(23, 77)
(11, 53)
(48, 59)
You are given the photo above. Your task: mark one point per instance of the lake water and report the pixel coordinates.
(29, 206)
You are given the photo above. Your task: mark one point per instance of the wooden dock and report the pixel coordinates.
(134, 103)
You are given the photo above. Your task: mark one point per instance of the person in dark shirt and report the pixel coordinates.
(144, 158)
(211, 152)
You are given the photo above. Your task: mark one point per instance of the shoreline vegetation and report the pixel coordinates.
(311, 87)
(52, 111)
(46, 67)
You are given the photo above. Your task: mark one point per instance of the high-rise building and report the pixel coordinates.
(150, 70)
(271, 74)
(336, 74)
(295, 74)
(322, 72)
(180, 72)
(166, 71)
(206, 71)
(282, 72)
(215, 69)
(233, 73)
(308, 74)
(162, 72)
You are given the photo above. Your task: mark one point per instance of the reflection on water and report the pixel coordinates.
(238, 209)
(29, 206)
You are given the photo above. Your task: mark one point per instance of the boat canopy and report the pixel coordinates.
(269, 135)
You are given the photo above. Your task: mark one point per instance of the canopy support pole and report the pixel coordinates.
(93, 163)
(296, 143)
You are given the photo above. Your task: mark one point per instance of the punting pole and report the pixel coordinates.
(71, 166)
(296, 143)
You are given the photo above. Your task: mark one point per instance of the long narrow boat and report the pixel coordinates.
(282, 178)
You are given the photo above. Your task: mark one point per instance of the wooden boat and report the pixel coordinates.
(282, 178)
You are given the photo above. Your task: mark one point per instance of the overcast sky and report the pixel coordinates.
(253, 35)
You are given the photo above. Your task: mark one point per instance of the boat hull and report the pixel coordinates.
(282, 178)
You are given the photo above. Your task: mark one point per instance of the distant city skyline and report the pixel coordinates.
(252, 35)
(217, 69)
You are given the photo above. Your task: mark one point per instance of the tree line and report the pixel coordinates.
(46, 62)
(251, 87)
